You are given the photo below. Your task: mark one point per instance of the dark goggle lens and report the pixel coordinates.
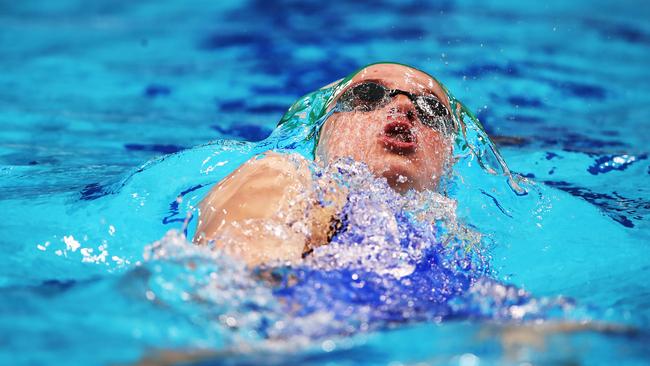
(369, 92)
(431, 106)
(433, 113)
(366, 97)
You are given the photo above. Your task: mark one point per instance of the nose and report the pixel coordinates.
(403, 105)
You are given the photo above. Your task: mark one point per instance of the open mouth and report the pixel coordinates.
(398, 137)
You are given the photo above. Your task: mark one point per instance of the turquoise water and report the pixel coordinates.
(89, 93)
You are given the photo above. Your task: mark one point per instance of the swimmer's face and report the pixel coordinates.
(395, 138)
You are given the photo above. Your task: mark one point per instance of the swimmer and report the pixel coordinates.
(394, 118)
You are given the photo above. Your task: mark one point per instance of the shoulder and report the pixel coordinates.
(269, 170)
(259, 186)
(273, 162)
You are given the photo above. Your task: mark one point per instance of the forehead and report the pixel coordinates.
(401, 77)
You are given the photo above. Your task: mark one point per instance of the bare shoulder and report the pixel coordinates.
(258, 189)
(267, 172)
(272, 190)
(292, 166)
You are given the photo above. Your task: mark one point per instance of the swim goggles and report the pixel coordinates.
(369, 95)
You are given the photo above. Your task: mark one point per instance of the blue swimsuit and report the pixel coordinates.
(422, 294)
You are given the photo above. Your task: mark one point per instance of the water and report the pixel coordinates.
(89, 92)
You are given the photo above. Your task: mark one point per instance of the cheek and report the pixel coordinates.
(433, 153)
(345, 136)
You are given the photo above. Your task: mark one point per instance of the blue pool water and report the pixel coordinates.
(91, 274)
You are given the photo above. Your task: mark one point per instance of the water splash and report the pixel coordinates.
(396, 259)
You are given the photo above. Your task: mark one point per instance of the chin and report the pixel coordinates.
(400, 174)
